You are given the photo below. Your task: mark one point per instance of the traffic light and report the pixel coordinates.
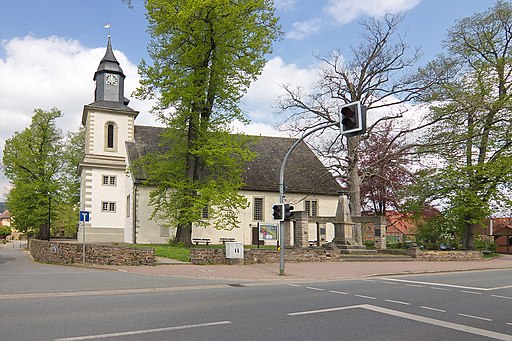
(278, 212)
(353, 119)
(288, 214)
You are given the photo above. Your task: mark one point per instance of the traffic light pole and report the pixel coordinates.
(282, 189)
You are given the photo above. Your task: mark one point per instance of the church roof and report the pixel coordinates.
(304, 172)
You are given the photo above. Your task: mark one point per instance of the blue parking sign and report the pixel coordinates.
(84, 215)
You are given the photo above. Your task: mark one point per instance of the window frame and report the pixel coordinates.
(258, 211)
(108, 206)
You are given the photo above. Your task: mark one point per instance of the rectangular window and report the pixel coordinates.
(258, 209)
(109, 180)
(311, 207)
(204, 213)
(128, 206)
(108, 206)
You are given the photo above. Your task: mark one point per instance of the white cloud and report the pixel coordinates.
(345, 11)
(303, 29)
(52, 72)
(263, 94)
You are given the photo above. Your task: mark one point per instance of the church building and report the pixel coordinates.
(118, 199)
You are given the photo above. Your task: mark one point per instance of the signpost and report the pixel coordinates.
(84, 217)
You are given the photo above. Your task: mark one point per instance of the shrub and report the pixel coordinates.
(4, 231)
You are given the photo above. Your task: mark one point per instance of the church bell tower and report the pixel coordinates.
(109, 124)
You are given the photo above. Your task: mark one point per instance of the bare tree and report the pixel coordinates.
(376, 72)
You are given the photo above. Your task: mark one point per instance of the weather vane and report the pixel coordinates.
(108, 26)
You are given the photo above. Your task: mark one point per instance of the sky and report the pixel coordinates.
(49, 51)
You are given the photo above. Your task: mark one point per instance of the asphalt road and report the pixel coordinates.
(44, 302)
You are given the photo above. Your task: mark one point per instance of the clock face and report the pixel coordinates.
(111, 79)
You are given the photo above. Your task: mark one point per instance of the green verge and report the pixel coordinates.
(182, 253)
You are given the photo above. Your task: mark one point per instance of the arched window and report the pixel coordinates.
(111, 136)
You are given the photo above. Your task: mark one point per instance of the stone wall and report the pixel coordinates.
(202, 256)
(433, 255)
(58, 252)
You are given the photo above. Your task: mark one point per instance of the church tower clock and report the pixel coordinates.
(109, 124)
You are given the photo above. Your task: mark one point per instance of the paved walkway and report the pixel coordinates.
(316, 271)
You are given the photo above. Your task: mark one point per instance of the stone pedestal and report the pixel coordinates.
(343, 225)
(300, 229)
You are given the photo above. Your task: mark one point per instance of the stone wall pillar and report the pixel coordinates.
(287, 233)
(300, 230)
(321, 233)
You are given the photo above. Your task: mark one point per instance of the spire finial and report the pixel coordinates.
(108, 26)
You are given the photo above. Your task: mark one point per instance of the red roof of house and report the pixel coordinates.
(5, 215)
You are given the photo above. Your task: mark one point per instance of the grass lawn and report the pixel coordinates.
(182, 253)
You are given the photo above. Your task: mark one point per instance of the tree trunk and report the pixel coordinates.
(468, 238)
(184, 234)
(354, 183)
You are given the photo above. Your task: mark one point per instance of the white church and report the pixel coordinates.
(118, 199)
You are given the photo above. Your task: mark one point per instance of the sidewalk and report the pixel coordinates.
(315, 271)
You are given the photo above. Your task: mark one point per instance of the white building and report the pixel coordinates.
(118, 200)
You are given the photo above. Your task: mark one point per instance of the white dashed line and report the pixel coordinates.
(368, 297)
(471, 292)
(506, 297)
(428, 320)
(476, 317)
(398, 302)
(338, 292)
(436, 288)
(294, 285)
(313, 288)
(434, 309)
(414, 285)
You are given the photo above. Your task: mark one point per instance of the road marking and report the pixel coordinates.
(428, 320)
(436, 288)
(368, 297)
(339, 292)
(313, 288)
(475, 317)
(471, 292)
(294, 285)
(414, 285)
(445, 285)
(399, 302)
(434, 309)
(509, 323)
(107, 292)
(144, 331)
(499, 296)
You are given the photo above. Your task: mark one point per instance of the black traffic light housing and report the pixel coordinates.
(278, 212)
(288, 214)
(353, 119)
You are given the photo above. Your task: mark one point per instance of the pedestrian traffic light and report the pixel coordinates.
(288, 214)
(278, 212)
(353, 119)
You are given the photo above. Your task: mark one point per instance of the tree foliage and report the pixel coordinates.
(41, 165)
(384, 169)
(471, 131)
(205, 55)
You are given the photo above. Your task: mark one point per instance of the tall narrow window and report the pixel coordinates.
(110, 135)
(258, 209)
(311, 207)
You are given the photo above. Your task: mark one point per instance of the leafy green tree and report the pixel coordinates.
(35, 162)
(471, 129)
(205, 55)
